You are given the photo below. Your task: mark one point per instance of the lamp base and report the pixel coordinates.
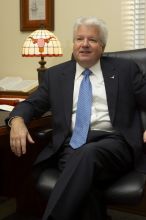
(41, 69)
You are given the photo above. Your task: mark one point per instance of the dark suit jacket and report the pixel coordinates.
(126, 94)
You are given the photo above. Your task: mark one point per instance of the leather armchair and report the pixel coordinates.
(129, 189)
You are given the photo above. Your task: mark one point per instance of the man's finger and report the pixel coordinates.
(30, 139)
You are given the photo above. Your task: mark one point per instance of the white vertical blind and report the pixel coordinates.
(133, 23)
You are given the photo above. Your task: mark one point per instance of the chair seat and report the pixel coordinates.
(127, 190)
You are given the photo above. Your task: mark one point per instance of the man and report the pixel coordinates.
(106, 144)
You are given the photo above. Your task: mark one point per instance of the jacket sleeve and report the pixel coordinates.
(35, 105)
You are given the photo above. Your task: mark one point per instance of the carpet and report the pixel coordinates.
(7, 207)
(8, 212)
(20, 217)
(116, 215)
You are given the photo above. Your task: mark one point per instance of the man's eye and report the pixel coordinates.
(79, 39)
(93, 40)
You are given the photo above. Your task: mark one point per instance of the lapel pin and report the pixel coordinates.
(112, 77)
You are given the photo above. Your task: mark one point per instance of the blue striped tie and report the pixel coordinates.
(83, 114)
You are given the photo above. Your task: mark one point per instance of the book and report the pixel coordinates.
(17, 84)
(7, 108)
(7, 104)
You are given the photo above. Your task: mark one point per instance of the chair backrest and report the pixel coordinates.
(138, 55)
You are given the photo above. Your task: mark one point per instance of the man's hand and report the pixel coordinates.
(19, 135)
(144, 136)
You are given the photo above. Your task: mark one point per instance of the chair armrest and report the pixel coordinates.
(44, 134)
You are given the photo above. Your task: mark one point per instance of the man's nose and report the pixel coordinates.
(85, 42)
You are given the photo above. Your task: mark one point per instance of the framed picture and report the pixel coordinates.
(36, 13)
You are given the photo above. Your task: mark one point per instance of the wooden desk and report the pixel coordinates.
(3, 129)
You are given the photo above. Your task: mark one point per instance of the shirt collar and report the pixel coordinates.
(95, 69)
(79, 70)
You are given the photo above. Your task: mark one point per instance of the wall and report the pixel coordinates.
(66, 11)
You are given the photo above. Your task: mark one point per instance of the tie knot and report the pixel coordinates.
(86, 72)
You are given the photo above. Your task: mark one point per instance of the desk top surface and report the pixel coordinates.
(3, 116)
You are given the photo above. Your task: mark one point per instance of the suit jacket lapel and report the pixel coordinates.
(110, 75)
(67, 84)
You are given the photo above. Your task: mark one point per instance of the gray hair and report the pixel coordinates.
(93, 21)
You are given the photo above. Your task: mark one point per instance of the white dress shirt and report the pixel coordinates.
(100, 119)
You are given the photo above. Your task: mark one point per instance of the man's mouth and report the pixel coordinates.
(85, 52)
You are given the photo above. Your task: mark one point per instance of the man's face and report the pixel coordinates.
(87, 48)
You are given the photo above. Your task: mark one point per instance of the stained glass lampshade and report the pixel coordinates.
(41, 43)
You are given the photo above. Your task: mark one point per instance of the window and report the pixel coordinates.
(134, 23)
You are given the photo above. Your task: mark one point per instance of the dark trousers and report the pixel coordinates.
(85, 172)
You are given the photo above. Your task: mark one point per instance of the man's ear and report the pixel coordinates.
(72, 57)
(103, 48)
